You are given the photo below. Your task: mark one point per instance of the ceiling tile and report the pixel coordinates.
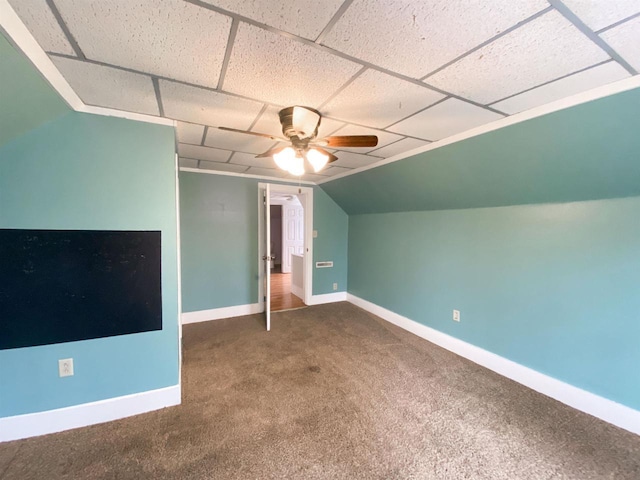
(283, 71)
(384, 138)
(353, 160)
(267, 172)
(579, 82)
(331, 171)
(38, 18)
(444, 119)
(415, 38)
(542, 50)
(269, 123)
(402, 146)
(222, 167)
(598, 14)
(190, 133)
(250, 160)
(237, 141)
(312, 177)
(172, 38)
(305, 18)
(378, 100)
(206, 107)
(188, 163)
(203, 153)
(625, 39)
(109, 87)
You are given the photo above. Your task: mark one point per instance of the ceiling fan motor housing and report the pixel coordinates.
(300, 122)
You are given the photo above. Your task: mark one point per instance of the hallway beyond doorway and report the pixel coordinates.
(281, 296)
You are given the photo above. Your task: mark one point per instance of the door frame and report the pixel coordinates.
(306, 200)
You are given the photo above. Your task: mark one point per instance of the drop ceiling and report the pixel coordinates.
(409, 71)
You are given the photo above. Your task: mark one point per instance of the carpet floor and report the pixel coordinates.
(333, 392)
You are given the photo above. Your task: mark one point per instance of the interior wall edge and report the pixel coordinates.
(587, 402)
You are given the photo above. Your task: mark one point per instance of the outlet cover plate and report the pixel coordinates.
(65, 367)
(456, 315)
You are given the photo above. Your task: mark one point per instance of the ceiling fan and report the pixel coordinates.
(300, 130)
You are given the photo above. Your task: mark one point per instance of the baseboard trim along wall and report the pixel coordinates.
(218, 313)
(52, 421)
(328, 298)
(602, 408)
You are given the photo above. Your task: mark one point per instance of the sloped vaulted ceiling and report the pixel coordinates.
(410, 71)
(590, 151)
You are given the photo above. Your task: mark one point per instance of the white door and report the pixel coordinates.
(266, 258)
(292, 234)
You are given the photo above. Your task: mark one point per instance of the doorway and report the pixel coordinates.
(287, 251)
(286, 270)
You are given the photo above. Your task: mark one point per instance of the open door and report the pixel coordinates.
(266, 257)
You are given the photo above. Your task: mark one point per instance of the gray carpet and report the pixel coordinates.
(333, 392)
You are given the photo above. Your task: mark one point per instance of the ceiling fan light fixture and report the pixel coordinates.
(296, 166)
(305, 122)
(284, 158)
(317, 159)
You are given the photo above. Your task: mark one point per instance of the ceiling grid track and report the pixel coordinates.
(204, 135)
(65, 29)
(604, 62)
(487, 42)
(343, 8)
(156, 89)
(341, 88)
(227, 54)
(580, 25)
(617, 24)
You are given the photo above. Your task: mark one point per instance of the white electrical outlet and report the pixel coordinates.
(315, 234)
(456, 315)
(335, 287)
(65, 367)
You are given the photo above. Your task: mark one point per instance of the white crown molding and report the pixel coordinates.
(20, 36)
(138, 117)
(60, 419)
(562, 104)
(220, 313)
(246, 175)
(600, 407)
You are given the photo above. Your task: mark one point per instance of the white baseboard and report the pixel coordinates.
(328, 298)
(218, 313)
(600, 407)
(51, 421)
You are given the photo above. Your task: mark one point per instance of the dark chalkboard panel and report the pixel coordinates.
(66, 285)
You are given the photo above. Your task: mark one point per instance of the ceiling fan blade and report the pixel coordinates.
(332, 157)
(350, 141)
(272, 137)
(271, 152)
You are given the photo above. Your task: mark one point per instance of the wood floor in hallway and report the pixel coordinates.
(281, 296)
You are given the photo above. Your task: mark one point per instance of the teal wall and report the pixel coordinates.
(586, 152)
(88, 172)
(554, 287)
(219, 241)
(26, 99)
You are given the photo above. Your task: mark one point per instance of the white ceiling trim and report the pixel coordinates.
(246, 175)
(22, 38)
(17, 31)
(568, 102)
